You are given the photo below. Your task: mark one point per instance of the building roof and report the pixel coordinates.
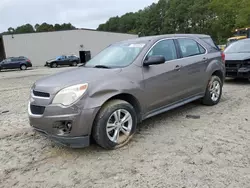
(78, 29)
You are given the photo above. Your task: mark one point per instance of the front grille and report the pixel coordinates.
(233, 64)
(41, 94)
(37, 110)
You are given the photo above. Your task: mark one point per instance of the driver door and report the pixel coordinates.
(162, 82)
(6, 64)
(61, 60)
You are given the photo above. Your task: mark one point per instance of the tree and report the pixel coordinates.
(36, 26)
(24, 29)
(214, 17)
(44, 27)
(11, 30)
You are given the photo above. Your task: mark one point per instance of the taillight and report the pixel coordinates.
(223, 57)
(28, 60)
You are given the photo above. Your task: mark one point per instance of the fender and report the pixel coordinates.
(215, 65)
(103, 92)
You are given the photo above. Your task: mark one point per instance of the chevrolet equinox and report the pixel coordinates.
(123, 85)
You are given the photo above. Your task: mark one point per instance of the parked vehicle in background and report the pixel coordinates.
(222, 47)
(237, 57)
(125, 84)
(70, 60)
(239, 34)
(16, 63)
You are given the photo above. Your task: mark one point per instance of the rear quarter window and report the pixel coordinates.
(210, 42)
(190, 47)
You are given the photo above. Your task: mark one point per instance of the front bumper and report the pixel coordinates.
(52, 123)
(47, 64)
(72, 142)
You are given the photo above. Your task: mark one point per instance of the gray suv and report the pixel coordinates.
(123, 85)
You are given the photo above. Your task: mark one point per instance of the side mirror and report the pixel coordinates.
(154, 60)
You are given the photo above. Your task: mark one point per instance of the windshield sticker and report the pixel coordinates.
(136, 45)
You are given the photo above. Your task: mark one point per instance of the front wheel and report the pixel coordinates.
(115, 124)
(213, 91)
(53, 65)
(74, 64)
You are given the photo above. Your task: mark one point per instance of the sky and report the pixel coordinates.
(80, 13)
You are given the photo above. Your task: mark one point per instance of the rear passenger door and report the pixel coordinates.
(16, 62)
(193, 65)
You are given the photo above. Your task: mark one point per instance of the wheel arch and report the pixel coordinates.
(125, 97)
(219, 73)
(21, 64)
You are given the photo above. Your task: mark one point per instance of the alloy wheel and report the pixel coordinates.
(215, 90)
(119, 126)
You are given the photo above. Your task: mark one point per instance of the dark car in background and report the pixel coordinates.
(237, 57)
(70, 60)
(20, 62)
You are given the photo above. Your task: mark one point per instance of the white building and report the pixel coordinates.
(39, 47)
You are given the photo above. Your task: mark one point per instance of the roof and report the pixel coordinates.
(158, 37)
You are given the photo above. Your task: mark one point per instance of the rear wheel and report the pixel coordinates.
(213, 91)
(23, 67)
(115, 124)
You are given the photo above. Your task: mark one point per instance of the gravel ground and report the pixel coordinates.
(168, 150)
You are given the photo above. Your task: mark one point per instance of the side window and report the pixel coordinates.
(7, 60)
(190, 47)
(165, 48)
(13, 60)
(202, 50)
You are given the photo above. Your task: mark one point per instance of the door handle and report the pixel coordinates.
(177, 67)
(205, 59)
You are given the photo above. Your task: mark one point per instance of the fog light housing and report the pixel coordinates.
(63, 127)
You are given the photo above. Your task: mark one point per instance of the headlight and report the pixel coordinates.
(69, 95)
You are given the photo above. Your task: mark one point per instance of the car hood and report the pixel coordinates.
(53, 83)
(237, 56)
(50, 60)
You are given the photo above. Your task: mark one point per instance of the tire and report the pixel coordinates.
(53, 65)
(74, 64)
(23, 67)
(106, 138)
(213, 91)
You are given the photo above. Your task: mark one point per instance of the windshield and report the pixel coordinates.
(239, 47)
(119, 55)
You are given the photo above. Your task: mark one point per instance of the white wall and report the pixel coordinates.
(39, 47)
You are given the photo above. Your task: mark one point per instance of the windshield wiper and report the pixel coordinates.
(102, 66)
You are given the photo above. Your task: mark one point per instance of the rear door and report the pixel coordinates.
(16, 62)
(193, 65)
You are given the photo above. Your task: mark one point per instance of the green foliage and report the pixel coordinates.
(44, 27)
(217, 18)
(25, 29)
